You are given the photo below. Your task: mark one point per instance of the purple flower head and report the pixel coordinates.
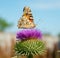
(29, 33)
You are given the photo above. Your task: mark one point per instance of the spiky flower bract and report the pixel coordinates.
(28, 34)
(30, 47)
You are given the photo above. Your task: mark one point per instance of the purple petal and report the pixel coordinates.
(29, 33)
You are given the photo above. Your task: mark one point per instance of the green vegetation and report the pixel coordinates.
(59, 35)
(4, 24)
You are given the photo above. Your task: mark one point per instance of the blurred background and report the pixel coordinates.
(46, 15)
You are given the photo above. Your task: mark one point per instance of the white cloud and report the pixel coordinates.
(46, 6)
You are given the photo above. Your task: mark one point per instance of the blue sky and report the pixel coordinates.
(46, 13)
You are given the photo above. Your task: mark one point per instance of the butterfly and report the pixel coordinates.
(26, 21)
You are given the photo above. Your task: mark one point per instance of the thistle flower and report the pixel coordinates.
(29, 34)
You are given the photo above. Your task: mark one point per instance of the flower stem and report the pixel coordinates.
(30, 56)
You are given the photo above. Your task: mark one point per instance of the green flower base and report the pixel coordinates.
(30, 48)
